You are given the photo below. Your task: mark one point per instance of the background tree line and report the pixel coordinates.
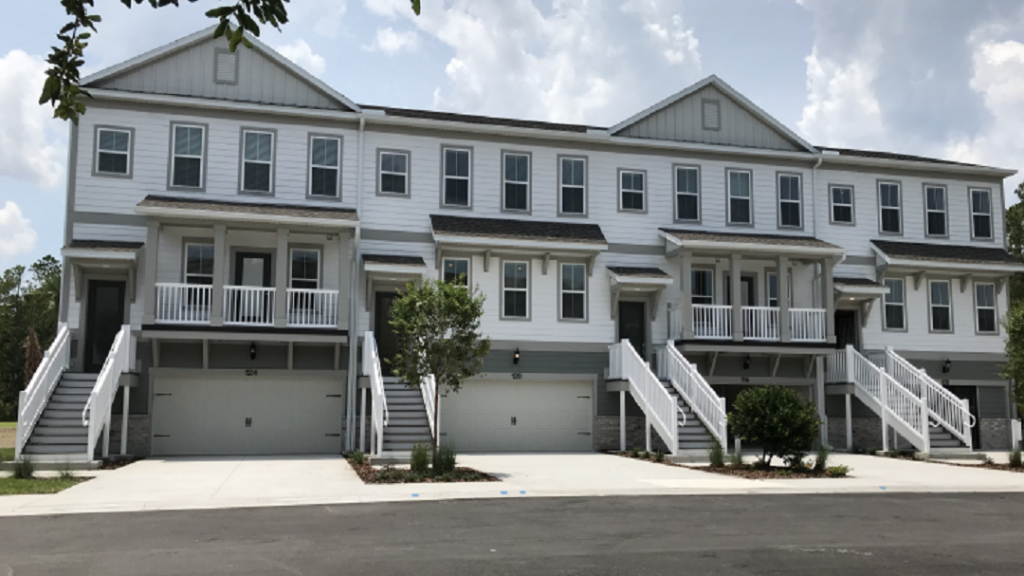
(1014, 321)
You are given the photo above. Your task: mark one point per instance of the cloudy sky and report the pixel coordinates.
(940, 78)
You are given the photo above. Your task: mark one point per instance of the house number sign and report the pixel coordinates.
(252, 372)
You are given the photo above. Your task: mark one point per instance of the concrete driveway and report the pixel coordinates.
(202, 483)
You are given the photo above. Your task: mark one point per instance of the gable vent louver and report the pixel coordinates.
(712, 113)
(226, 67)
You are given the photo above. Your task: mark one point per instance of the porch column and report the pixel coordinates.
(125, 396)
(782, 285)
(220, 258)
(686, 294)
(281, 280)
(344, 270)
(149, 273)
(736, 292)
(828, 300)
(849, 422)
(819, 391)
(622, 420)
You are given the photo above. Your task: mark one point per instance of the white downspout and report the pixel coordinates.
(814, 195)
(353, 297)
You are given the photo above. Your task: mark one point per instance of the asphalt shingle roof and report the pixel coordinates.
(518, 229)
(475, 119)
(945, 253)
(770, 239)
(327, 213)
(855, 281)
(394, 259)
(891, 156)
(111, 245)
(638, 272)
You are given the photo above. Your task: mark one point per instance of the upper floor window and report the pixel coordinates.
(573, 189)
(631, 190)
(187, 156)
(515, 287)
(199, 264)
(985, 308)
(394, 173)
(789, 201)
(324, 167)
(305, 272)
(842, 204)
(517, 182)
(890, 210)
(981, 214)
(740, 209)
(935, 210)
(456, 177)
(703, 286)
(687, 194)
(257, 161)
(113, 151)
(456, 271)
(894, 317)
(574, 292)
(940, 305)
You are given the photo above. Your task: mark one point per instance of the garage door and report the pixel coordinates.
(202, 415)
(519, 416)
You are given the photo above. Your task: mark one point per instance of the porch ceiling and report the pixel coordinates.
(169, 207)
(762, 245)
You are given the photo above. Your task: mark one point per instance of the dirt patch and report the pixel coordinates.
(7, 437)
(389, 475)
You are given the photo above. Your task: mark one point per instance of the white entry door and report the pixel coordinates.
(519, 416)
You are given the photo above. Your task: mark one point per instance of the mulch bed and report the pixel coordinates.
(114, 464)
(983, 466)
(389, 475)
(748, 471)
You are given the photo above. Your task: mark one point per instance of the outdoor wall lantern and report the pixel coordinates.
(252, 351)
(947, 366)
(515, 356)
(746, 362)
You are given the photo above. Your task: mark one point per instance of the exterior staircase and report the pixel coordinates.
(407, 418)
(693, 434)
(59, 434)
(942, 440)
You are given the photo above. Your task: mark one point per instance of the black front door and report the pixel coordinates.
(846, 328)
(633, 325)
(387, 344)
(251, 269)
(104, 316)
(748, 291)
(971, 394)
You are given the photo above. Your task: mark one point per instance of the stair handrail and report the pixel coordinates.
(428, 388)
(371, 368)
(660, 408)
(895, 399)
(33, 399)
(96, 413)
(695, 390)
(947, 409)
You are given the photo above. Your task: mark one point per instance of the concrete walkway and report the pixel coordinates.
(204, 483)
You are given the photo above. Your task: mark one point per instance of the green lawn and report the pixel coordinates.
(9, 486)
(6, 454)
(8, 424)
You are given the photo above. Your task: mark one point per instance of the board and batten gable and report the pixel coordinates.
(684, 121)
(208, 69)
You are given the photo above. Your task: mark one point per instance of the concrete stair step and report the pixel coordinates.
(60, 404)
(79, 376)
(404, 446)
(946, 444)
(69, 450)
(64, 413)
(38, 440)
(406, 409)
(62, 421)
(60, 431)
(406, 430)
(401, 401)
(694, 445)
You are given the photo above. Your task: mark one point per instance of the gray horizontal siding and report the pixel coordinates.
(992, 402)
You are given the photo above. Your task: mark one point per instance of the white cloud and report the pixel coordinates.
(326, 16)
(842, 109)
(301, 53)
(391, 42)
(16, 233)
(29, 146)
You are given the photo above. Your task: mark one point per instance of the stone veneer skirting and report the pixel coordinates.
(606, 434)
(995, 434)
(139, 434)
(867, 434)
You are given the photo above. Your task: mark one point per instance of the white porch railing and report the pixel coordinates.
(32, 400)
(308, 308)
(660, 408)
(695, 390)
(96, 414)
(712, 322)
(807, 325)
(183, 303)
(249, 305)
(945, 408)
(371, 368)
(428, 388)
(761, 323)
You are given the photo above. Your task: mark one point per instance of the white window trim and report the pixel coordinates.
(505, 182)
(696, 194)
(584, 292)
(336, 168)
(729, 197)
(127, 153)
(928, 211)
(184, 268)
(381, 172)
(902, 304)
(273, 151)
(932, 306)
(799, 201)
(711, 273)
(898, 208)
(468, 177)
(469, 268)
(319, 267)
(991, 220)
(526, 290)
(562, 185)
(832, 205)
(994, 308)
(642, 192)
(201, 157)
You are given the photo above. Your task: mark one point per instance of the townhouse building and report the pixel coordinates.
(237, 230)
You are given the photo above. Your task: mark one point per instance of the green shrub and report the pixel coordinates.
(821, 462)
(1015, 459)
(444, 460)
(777, 419)
(645, 455)
(24, 469)
(736, 459)
(659, 456)
(837, 471)
(988, 461)
(716, 455)
(65, 472)
(633, 453)
(357, 457)
(419, 462)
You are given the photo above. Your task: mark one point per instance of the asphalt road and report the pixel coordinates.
(830, 534)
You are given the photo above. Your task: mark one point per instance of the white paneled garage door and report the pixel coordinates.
(226, 415)
(519, 416)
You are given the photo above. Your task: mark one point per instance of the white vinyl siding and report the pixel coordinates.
(632, 196)
(894, 305)
(515, 290)
(940, 306)
(935, 211)
(740, 201)
(456, 270)
(890, 208)
(842, 204)
(572, 190)
(188, 154)
(986, 317)
(790, 202)
(457, 180)
(516, 182)
(687, 194)
(257, 161)
(113, 151)
(981, 214)
(324, 167)
(394, 173)
(574, 292)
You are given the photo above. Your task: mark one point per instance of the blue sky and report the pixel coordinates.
(941, 78)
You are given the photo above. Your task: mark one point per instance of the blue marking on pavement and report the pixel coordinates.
(522, 491)
(882, 487)
(415, 495)
(504, 493)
